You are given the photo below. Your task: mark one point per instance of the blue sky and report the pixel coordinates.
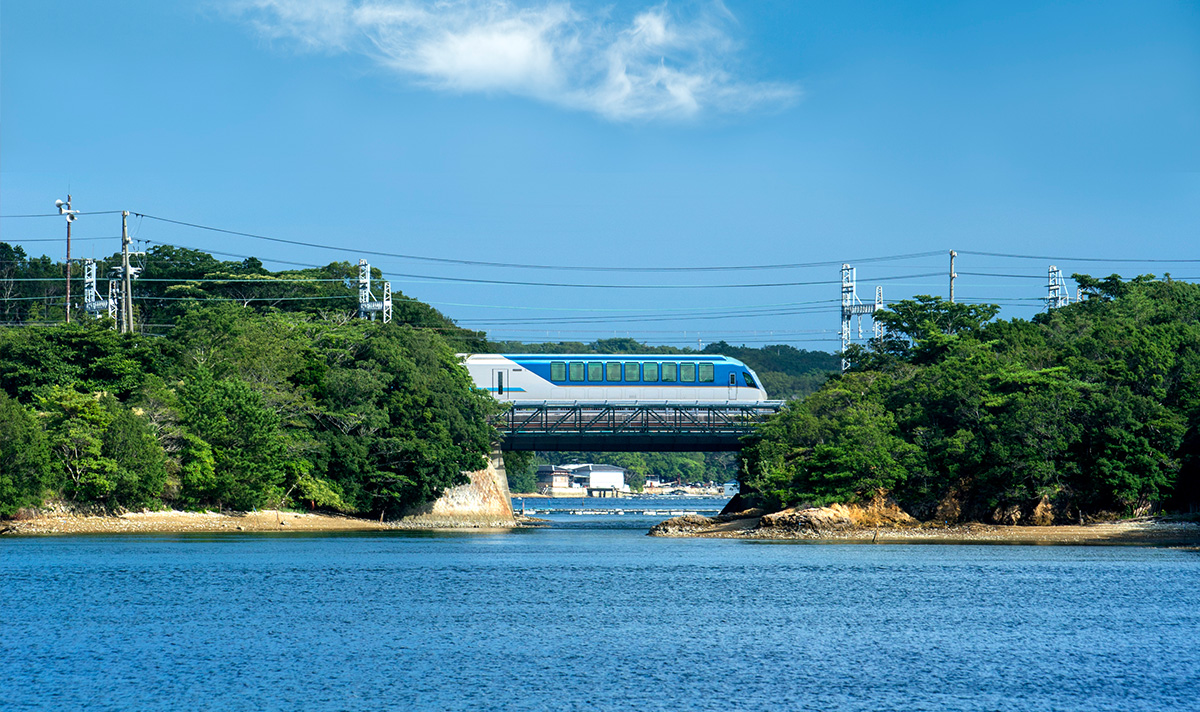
(626, 134)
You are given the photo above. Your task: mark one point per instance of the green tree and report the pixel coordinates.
(75, 424)
(437, 426)
(128, 441)
(839, 445)
(248, 449)
(24, 458)
(521, 471)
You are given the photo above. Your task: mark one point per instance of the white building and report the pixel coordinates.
(598, 476)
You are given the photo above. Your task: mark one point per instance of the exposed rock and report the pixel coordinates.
(681, 526)
(812, 519)
(1009, 515)
(1043, 513)
(484, 502)
(949, 509)
(734, 516)
(880, 512)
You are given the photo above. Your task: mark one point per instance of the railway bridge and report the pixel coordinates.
(638, 426)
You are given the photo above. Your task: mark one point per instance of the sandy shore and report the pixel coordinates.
(1143, 532)
(179, 522)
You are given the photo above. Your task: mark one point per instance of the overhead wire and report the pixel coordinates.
(997, 274)
(515, 265)
(59, 215)
(1076, 259)
(567, 285)
(598, 316)
(60, 239)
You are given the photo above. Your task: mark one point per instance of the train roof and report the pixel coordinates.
(708, 358)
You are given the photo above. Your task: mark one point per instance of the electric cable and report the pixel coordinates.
(1073, 259)
(513, 265)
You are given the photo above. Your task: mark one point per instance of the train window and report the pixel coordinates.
(633, 371)
(669, 372)
(595, 371)
(707, 373)
(733, 379)
(749, 380)
(576, 370)
(650, 372)
(687, 372)
(558, 371)
(614, 370)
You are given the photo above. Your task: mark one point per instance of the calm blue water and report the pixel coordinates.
(590, 614)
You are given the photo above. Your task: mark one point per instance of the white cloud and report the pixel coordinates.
(655, 67)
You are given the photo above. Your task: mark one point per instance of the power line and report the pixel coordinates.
(1072, 259)
(996, 274)
(570, 285)
(514, 265)
(150, 298)
(637, 319)
(632, 309)
(59, 239)
(265, 280)
(59, 215)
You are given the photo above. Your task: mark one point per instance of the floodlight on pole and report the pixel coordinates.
(64, 208)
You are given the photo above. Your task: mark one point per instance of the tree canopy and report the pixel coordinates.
(239, 408)
(1088, 408)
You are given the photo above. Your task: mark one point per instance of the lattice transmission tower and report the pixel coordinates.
(853, 307)
(93, 305)
(1057, 294)
(368, 306)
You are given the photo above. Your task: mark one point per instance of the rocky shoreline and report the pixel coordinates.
(884, 524)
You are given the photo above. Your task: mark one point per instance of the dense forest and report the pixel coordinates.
(1090, 408)
(237, 410)
(246, 388)
(254, 397)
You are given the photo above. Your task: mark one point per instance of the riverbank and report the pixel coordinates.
(267, 520)
(1148, 531)
(176, 522)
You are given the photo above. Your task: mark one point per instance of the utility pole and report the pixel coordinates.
(126, 287)
(953, 254)
(65, 209)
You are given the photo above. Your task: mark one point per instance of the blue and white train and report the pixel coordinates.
(615, 378)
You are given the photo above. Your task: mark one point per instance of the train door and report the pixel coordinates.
(733, 387)
(501, 384)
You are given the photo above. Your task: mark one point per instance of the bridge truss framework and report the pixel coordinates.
(631, 427)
